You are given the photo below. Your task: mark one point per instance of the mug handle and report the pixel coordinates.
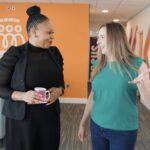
(47, 95)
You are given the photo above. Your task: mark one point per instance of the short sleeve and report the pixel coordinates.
(137, 61)
(94, 63)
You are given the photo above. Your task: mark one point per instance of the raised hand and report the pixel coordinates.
(140, 78)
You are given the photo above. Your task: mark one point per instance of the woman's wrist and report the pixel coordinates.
(83, 122)
(17, 96)
(62, 90)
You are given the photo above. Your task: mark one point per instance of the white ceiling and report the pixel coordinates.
(121, 9)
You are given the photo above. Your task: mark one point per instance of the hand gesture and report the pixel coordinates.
(140, 78)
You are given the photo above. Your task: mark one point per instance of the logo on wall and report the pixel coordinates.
(10, 34)
(93, 53)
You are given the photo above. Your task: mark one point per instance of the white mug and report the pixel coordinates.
(45, 94)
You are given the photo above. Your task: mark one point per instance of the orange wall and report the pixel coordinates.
(71, 24)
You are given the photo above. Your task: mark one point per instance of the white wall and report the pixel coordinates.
(142, 20)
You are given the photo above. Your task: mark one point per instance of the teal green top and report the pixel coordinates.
(115, 99)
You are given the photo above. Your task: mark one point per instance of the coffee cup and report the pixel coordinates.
(45, 94)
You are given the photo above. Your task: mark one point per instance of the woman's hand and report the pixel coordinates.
(81, 132)
(31, 97)
(143, 84)
(54, 94)
(84, 121)
(140, 79)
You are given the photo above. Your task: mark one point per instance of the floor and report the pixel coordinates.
(70, 118)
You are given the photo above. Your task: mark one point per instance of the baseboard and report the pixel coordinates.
(73, 100)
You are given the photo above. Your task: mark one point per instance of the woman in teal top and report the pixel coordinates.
(112, 101)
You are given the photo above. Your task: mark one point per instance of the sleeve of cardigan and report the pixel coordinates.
(61, 61)
(7, 65)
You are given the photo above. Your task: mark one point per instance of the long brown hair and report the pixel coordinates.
(118, 47)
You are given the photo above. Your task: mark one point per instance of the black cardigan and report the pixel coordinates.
(12, 78)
